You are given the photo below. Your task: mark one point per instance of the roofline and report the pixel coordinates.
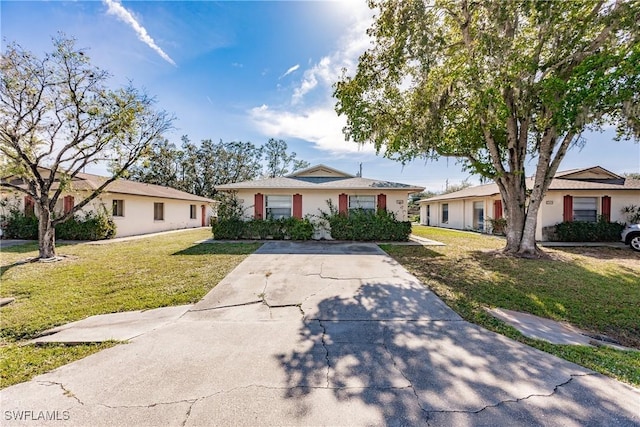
(321, 165)
(408, 189)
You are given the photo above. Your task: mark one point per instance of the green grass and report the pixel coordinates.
(596, 289)
(97, 279)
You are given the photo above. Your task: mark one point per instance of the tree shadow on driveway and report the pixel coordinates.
(386, 348)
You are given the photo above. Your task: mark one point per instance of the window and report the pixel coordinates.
(278, 207)
(365, 203)
(478, 215)
(118, 208)
(192, 211)
(158, 211)
(445, 213)
(585, 209)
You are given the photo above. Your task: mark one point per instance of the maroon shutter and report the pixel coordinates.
(606, 208)
(29, 205)
(258, 206)
(497, 209)
(567, 215)
(68, 203)
(382, 202)
(204, 214)
(297, 206)
(343, 201)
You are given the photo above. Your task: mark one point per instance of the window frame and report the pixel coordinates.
(158, 211)
(193, 211)
(583, 216)
(115, 212)
(444, 210)
(278, 199)
(359, 199)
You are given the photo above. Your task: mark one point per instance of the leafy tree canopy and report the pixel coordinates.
(494, 83)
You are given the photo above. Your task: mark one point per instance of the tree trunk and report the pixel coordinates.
(46, 234)
(521, 219)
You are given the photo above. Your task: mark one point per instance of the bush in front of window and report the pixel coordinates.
(360, 225)
(89, 226)
(582, 231)
(261, 229)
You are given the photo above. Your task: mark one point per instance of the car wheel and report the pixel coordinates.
(634, 242)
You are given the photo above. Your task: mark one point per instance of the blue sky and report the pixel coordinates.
(250, 71)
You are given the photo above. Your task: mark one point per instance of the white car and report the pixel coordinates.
(631, 236)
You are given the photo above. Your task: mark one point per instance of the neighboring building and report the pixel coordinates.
(308, 191)
(136, 207)
(574, 195)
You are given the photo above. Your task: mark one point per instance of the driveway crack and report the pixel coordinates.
(395, 365)
(326, 349)
(65, 391)
(518, 399)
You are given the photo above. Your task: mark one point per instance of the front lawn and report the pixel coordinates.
(596, 289)
(97, 279)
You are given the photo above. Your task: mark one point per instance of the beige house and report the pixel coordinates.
(574, 195)
(136, 208)
(308, 191)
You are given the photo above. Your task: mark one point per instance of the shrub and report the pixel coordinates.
(580, 231)
(498, 226)
(361, 225)
(277, 229)
(632, 214)
(90, 226)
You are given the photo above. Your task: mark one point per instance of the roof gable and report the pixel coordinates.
(595, 172)
(319, 171)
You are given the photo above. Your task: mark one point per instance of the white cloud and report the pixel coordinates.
(314, 118)
(114, 7)
(320, 125)
(290, 70)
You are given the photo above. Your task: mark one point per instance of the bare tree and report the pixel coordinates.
(56, 117)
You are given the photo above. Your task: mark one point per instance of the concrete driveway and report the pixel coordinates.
(321, 334)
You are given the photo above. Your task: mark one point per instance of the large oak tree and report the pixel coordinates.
(57, 116)
(496, 83)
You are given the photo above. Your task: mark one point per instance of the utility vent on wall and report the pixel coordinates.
(399, 202)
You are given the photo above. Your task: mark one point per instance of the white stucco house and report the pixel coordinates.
(574, 195)
(306, 192)
(136, 207)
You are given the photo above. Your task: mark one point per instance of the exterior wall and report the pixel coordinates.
(138, 212)
(315, 201)
(550, 213)
(461, 213)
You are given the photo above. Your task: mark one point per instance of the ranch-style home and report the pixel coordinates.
(306, 192)
(573, 195)
(136, 207)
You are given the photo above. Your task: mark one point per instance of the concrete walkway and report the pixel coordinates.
(321, 334)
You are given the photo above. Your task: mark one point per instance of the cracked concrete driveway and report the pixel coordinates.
(321, 334)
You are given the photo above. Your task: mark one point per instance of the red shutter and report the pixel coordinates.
(343, 201)
(258, 206)
(297, 206)
(68, 203)
(382, 202)
(29, 205)
(497, 209)
(204, 214)
(567, 215)
(606, 208)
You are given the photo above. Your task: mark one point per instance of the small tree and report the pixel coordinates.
(279, 161)
(56, 117)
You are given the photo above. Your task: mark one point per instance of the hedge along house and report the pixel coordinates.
(135, 207)
(308, 192)
(574, 195)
